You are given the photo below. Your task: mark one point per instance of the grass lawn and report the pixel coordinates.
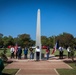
(68, 71)
(9, 71)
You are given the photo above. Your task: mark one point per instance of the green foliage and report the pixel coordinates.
(24, 40)
(1, 35)
(72, 53)
(65, 39)
(7, 52)
(3, 54)
(4, 57)
(44, 40)
(1, 41)
(8, 41)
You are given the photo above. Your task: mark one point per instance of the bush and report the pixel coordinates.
(72, 54)
(4, 57)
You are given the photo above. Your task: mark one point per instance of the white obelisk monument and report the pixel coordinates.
(38, 32)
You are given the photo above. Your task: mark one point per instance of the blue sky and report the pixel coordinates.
(19, 17)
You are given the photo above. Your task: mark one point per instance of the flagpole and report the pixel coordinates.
(54, 48)
(54, 40)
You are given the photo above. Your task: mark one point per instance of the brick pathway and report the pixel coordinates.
(32, 67)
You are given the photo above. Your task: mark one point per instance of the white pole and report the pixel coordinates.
(38, 33)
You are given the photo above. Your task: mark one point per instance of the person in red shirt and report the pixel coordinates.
(47, 53)
(16, 51)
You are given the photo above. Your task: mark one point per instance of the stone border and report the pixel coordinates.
(68, 66)
(18, 71)
(56, 72)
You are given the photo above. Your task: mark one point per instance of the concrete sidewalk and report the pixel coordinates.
(32, 67)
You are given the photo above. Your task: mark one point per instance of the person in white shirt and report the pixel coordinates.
(37, 53)
(12, 52)
(69, 51)
(60, 52)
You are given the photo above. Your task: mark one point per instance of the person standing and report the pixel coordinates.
(16, 51)
(19, 52)
(25, 52)
(31, 53)
(12, 52)
(61, 52)
(37, 53)
(47, 53)
(69, 52)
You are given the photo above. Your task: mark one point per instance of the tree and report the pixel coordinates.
(1, 41)
(65, 39)
(74, 43)
(8, 41)
(1, 35)
(51, 41)
(44, 40)
(24, 40)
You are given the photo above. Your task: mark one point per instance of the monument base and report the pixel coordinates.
(42, 56)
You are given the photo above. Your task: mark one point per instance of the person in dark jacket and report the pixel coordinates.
(19, 52)
(25, 52)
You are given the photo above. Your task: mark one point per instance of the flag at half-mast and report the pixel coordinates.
(54, 50)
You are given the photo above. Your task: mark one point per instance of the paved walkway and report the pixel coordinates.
(43, 67)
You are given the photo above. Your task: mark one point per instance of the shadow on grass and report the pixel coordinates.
(5, 74)
(69, 61)
(58, 55)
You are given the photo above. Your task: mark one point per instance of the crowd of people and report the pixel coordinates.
(16, 52)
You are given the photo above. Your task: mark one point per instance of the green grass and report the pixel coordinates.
(9, 71)
(68, 71)
(64, 53)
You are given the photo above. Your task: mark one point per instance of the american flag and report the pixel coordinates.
(54, 50)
